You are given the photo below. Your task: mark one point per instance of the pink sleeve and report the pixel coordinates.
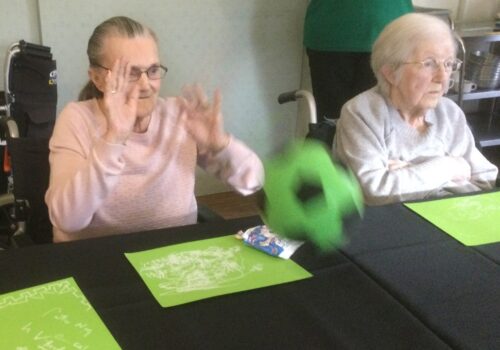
(236, 165)
(84, 169)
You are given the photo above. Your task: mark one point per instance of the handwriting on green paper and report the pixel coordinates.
(51, 316)
(197, 270)
(472, 220)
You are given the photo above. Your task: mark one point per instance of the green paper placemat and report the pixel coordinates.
(186, 272)
(54, 315)
(472, 220)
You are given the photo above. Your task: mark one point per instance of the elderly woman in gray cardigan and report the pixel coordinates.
(402, 138)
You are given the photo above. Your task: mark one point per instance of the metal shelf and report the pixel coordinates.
(484, 126)
(476, 95)
(481, 94)
(485, 31)
(486, 129)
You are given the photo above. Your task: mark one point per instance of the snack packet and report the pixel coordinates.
(261, 238)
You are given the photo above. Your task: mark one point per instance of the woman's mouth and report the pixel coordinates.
(435, 92)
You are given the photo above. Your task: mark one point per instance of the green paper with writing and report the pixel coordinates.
(186, 272)
(472, 220)
(54, 315)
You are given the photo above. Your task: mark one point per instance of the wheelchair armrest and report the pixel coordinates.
(6, 199)
(13, 230)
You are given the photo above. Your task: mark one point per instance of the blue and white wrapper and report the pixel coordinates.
(261, 238)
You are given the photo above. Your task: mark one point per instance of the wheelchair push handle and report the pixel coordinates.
(287, 97)
(296, 94)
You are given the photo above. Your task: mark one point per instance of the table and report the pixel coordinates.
(400, 283)
(453, 289)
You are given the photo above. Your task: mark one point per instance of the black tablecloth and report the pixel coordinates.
(453, 289)
(399, 283)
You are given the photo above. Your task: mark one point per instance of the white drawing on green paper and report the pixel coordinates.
(187, 271)
(473, 208)
(55, 315)
(471, 219)
(43, 291)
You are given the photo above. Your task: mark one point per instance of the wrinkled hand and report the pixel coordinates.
(119, 103)
(204, 120)
(395, 164)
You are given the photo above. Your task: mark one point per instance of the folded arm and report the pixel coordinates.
(361, 143)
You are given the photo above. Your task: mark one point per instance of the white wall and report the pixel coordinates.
(250, 49)
(18, 20)
(465, 10)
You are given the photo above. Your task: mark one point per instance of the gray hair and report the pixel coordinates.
(119, 26)
(399, 39)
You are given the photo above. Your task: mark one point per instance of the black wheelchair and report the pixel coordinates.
(27, 117)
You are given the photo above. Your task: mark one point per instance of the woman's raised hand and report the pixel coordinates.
(120, 103)
(203, 119)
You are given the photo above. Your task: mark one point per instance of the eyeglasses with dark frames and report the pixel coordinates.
(155, 72)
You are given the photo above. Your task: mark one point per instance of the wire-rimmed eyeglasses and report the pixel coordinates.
(432, 65)
(155, 72)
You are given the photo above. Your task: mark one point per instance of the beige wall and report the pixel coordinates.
(18, 20)
(465, 10)
(251, 49)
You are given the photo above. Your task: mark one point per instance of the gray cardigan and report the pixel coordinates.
(370, 132)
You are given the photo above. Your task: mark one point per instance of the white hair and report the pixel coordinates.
(400, 38)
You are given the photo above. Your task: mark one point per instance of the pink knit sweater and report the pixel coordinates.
(97, 188)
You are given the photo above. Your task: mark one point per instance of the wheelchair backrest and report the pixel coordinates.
(31, 88)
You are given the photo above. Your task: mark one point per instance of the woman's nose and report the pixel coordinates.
(441, 72)
(143, 80)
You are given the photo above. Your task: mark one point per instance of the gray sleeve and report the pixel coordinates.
(360, 145)
(462, 144)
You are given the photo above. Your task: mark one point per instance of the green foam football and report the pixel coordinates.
(308, 196)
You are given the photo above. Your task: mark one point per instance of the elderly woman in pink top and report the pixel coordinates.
(123, 159)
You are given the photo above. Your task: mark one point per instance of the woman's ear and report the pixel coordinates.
(389, 73)
(97, 79)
